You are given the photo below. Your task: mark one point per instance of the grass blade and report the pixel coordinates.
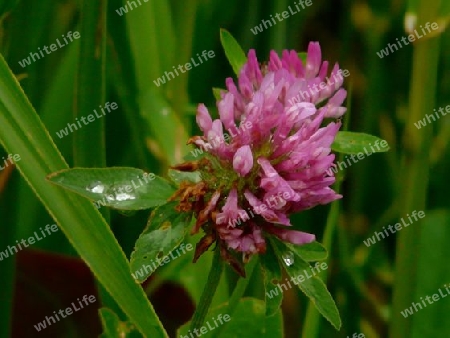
(22, 132)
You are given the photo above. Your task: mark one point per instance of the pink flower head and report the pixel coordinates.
(271, 153)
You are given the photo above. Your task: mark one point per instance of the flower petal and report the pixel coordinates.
(243, 160)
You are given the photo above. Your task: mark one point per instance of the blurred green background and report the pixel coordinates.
(118, 58)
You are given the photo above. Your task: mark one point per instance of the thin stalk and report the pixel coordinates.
(208, 293)
(238, 292)
(415, 169)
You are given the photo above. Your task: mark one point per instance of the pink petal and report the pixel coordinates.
(293, 236)
(203, 118)
(226, 110)
(313, 60)
(243, 160)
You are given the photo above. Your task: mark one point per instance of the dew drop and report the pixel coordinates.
(123, 196)
(117, 194)
(96, 187)
(288, 258)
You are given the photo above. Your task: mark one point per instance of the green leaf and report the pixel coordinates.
(307, 281)
(431, 281)
(310, 252)
(348, 142)
(272, 275)
(119, 188)
(114, 328)
(168, 131)
(216, 93)
(164, 233)
(248, 321)
(233, 51)
(180, 176)
(22, 132)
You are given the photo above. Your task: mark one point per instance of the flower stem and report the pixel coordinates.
(415, 170)
(241, 286)
(238, 292)
(208, 292)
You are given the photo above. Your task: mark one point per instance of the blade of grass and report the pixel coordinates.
(278, 33)
(89, 148)
(153, 24)
(184, 23)
(415, 170)
(120, 67)
(89, 141)
(22, 132)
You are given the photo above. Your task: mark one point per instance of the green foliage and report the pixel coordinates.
(165, 232)
(119, 188)
(235, 55)
(272, 276)
(348, 142)
(313, 287)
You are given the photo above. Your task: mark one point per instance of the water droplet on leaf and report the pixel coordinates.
(123, 196)
(118, 194)
(288, 258)
(96, 187)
